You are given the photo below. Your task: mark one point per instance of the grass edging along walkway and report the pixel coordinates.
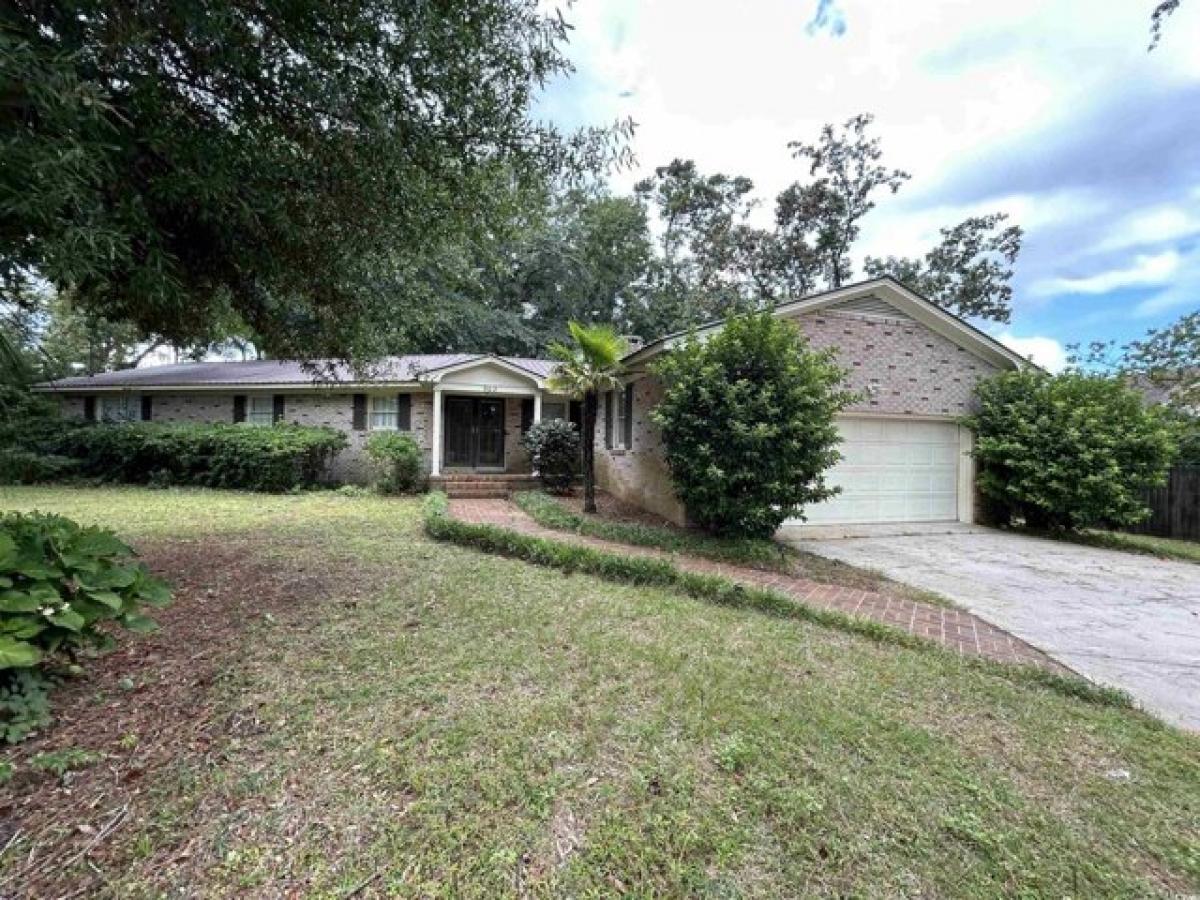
(549, 513)
(440, 525)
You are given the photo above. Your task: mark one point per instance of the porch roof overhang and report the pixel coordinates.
(534, 382)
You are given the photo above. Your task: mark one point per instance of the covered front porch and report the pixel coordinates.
(480, 410)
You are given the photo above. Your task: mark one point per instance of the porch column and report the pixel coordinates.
(435, 468)
(537, 406)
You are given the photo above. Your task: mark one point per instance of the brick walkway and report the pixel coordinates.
(953, 628)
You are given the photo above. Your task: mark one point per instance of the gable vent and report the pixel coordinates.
(870, 305)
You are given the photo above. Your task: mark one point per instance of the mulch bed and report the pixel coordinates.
(146, 706)
(609, 507)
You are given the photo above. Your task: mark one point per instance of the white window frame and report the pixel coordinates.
(563, 406)
(618, 441)
(383, 412)
(120, 408)
(260, 409)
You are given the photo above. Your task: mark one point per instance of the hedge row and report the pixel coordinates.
(276, 458)
(440, 525)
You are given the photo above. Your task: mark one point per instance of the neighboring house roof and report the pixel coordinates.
(292, 373)
(870, 296)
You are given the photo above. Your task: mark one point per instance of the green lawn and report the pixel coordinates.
(406, 718)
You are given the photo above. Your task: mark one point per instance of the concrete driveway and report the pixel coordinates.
(1118, 618)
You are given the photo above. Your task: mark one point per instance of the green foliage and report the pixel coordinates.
(26, 467)
(184, 163)
(550, 513)
(586, 367)
(553, 447)
(396, 459)
(641, 570)
(245, 457)
(28, 421)
(968, 273)
(748, 424)
(24, 703)
(59, 584)
(1069, 451)
(60, 762)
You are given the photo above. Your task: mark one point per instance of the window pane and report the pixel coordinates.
(261, 411)
(554, 410)
(383, 412)
(116, 409)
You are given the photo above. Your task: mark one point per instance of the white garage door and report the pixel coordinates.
(893, 471)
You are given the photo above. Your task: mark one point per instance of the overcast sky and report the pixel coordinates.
(1050, 110)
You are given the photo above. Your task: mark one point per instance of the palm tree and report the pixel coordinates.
(585, 369)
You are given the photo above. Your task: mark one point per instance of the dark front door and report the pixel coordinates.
(474, 433)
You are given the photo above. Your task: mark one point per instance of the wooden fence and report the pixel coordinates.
(1174, 507)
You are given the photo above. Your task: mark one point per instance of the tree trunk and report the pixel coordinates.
(589, 452)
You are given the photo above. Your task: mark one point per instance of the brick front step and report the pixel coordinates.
(460, 492)
(486, 477)
(476, 486)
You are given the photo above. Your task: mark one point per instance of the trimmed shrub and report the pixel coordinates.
(553, 447)
(253, 458)
(58, 582)
(396, 460)
(1068, 451)
(748, 424)
(26, 467)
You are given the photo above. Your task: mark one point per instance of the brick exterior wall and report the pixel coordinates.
(328, 409)
(916, 372)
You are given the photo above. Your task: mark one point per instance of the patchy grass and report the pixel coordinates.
(758, 553)
(426, 720)
(1147, 544)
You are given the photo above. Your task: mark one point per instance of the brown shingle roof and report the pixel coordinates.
(391, 369)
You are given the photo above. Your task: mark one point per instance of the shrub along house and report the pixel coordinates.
(906, 457)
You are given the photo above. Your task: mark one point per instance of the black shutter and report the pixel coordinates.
(404, 412)
(277, 410)
(239, 408)
(147, 407)
(608, 419)
(576, 414)
(526, 414)
(360, 412)
(628, 423)
(89, 409)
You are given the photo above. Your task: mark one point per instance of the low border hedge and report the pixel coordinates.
(440, 525)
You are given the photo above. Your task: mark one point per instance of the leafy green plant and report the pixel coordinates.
(396, 459)
(60, 762)
(24, 703)
(748, 427)
(1068, 451)
(276, 458)
(58, 583)
(586, 367)
(27, 467)
(553, 447)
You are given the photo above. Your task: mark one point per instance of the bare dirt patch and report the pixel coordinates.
(148, 705)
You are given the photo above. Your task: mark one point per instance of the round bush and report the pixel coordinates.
(748, 424)
(1069, 451)
(553, 447)
(396, 459)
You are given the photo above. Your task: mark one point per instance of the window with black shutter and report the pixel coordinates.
(147, 407)
(239, 408)
(404, 412)
(359, 422)
(608, 419)
(627, 421)
(89, 409)
(526, 414)
(277, 410)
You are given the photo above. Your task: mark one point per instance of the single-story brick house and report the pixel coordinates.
(906, 458)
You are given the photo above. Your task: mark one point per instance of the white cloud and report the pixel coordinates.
(1146, 269)
(1154, 225)
(1045, 351)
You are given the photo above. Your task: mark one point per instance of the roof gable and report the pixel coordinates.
(883, 297)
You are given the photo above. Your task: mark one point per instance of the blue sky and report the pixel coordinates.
(1053, 112)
